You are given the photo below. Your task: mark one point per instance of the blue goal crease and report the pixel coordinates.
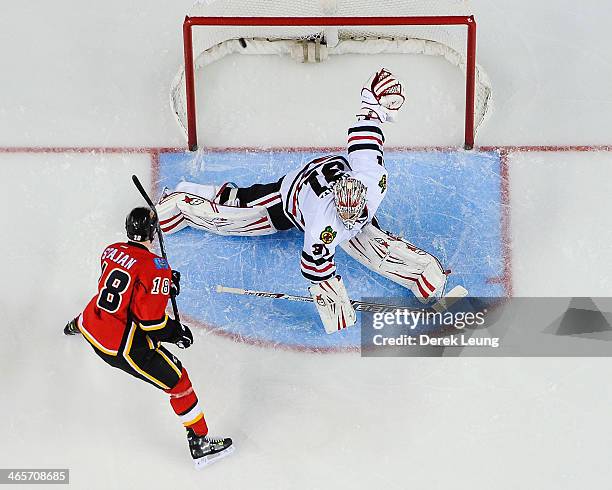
(446, 202)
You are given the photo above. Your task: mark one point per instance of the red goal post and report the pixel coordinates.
(470, 53)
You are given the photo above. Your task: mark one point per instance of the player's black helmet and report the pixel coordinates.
(141, 224)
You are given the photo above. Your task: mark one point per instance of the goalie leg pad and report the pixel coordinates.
(398, 260)
(198, 205)
(216, 218)
(170, 217)
(333, 304)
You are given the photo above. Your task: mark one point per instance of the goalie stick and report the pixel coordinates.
(443, 304)
(161, 238)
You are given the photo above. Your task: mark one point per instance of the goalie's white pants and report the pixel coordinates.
(398, 260)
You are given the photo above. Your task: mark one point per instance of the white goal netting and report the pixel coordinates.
(317, 43)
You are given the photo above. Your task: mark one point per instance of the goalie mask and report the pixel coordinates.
(350, 198)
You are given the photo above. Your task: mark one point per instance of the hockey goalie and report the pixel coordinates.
(333, 200)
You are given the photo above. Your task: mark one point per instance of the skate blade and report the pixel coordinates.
(212, 458)
(449, 299)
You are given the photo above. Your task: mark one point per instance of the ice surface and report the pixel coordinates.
(560, 200)
(96, 75)
(437, 200)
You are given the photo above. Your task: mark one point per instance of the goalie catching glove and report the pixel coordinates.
(333, 304)
(381, 97)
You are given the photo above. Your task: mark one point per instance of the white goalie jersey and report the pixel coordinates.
(308, 200)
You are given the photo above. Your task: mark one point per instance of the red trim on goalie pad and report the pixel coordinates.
(164, 221)
(363, 250)
(259, 228)
(340, 327)
(428, 284)
(166, 229)
(424, 293)
(260, 220)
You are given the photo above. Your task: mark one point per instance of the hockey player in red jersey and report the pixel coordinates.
(126, 323)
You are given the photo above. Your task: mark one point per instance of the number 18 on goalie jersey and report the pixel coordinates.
(308, 199)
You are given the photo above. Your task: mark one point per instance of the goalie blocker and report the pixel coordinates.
(333, 304)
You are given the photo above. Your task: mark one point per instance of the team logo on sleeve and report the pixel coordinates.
(328, 235)
(382, 183)
(160, 263)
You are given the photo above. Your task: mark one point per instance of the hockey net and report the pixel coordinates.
(216, 28)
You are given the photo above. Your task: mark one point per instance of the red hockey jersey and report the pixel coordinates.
(134, 287)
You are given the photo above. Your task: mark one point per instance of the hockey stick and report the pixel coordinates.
(449, 299)
(161, 238)
(453, 296)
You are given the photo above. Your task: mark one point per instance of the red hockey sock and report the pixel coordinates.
(185, 404)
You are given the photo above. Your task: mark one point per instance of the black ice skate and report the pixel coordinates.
(207, 450)
(72, 328)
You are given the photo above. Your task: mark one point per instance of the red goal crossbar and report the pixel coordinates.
(190, 22)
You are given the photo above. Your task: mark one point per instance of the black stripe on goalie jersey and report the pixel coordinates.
(311, 260)
(365, 146)
(367, 129)
(313, 278)
(323, 262)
